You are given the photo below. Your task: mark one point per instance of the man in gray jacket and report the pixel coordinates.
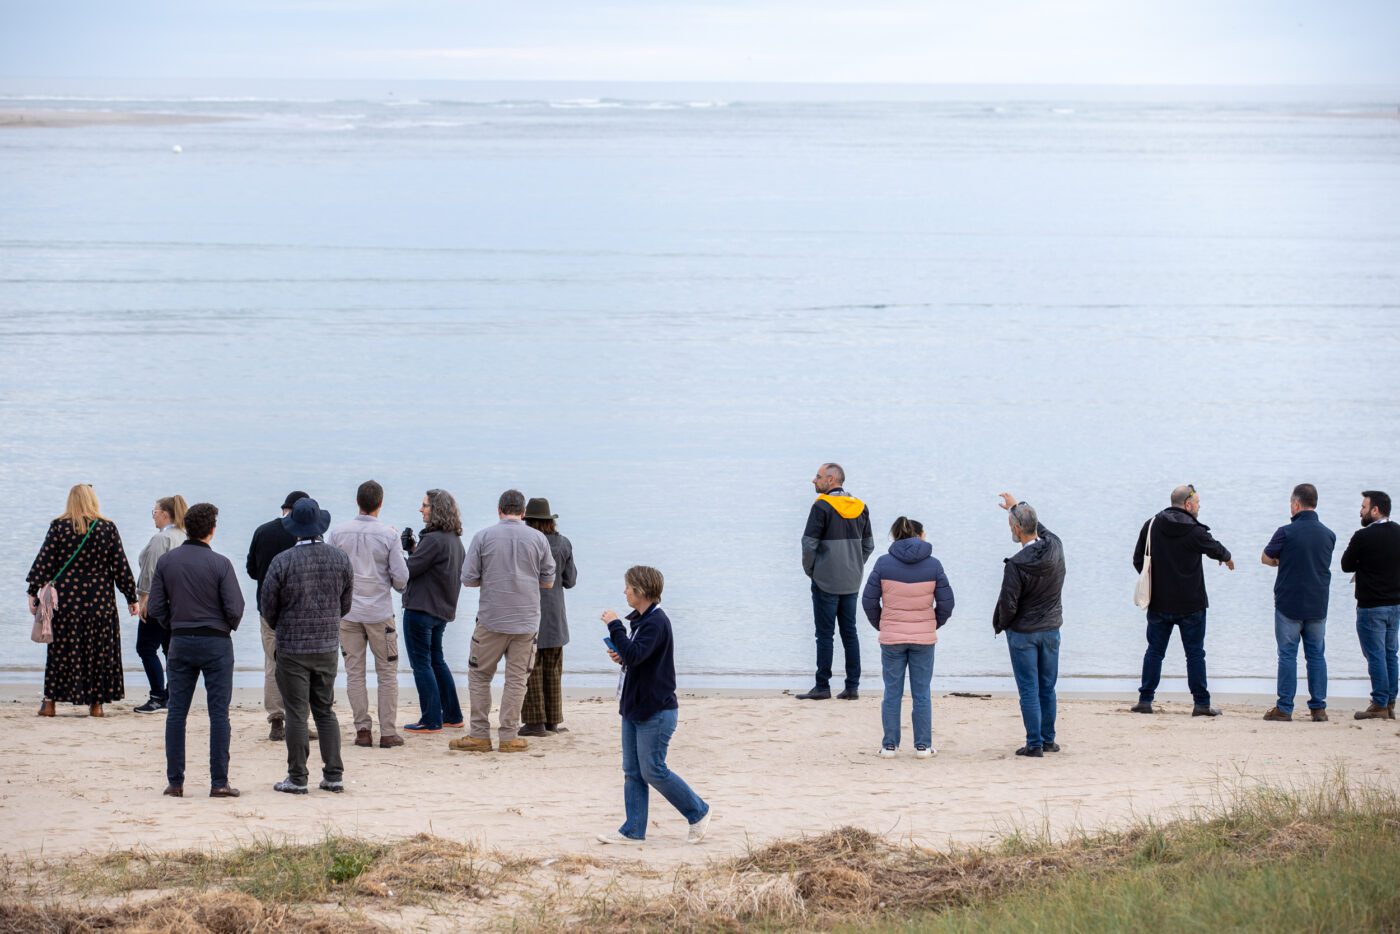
(835, 546)
(195, 594)
(511, 563)
(308, 590)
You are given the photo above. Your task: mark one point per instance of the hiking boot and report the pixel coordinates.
(151, 706)
(1319, 716)
(1373, 712)
(278, 733)
(1142, 707)
(1032, 752)
(470, 744)
(390, 742)
(533, 729)
(364, 738)
(1206, 710)
(816, 694)
(333, 787)
(1276, 714)
(287, 786)
(849, 694)
(512, 745)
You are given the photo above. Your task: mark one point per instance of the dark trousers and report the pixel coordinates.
(191, 656)
(308, 682)
(437, 690)
(1193, 640)
(828, 609)
(152, 639)
(544, 694)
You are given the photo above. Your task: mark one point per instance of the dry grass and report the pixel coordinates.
(205, 913)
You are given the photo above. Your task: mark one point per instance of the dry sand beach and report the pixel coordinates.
(70, 119)
(772, 768)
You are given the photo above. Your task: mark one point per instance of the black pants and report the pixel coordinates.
(190, 657)
(151, 639)
(307, 682)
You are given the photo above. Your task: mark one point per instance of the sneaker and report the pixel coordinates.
(512, 745)
(924, 752)
(698, 829)
(1373, 712)
(1319, 716)
(455, 725)
(287, 786)
(421, 727)
(470, 744)
(1273, 713)
(1031, 752)
(278, 733)
(151, 706)
(888, 752)
(332, 787)
(619, 839)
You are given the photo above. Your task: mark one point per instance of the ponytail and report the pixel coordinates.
(175, 507)
(906, 528)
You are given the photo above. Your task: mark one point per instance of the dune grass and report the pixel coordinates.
(1321, 859)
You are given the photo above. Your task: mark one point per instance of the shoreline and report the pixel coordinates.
(23, 118)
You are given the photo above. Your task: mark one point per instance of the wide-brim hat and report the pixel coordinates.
(538, 508)
(307, 519)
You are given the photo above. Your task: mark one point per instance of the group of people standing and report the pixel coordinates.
(907, 597)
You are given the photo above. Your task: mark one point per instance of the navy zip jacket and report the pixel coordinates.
(649, 686)
(1303, 549)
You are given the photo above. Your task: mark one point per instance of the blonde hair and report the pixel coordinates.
(175, 507)
(82, 508)
(646, 581)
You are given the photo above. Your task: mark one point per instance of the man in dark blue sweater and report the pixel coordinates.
(1302, 552)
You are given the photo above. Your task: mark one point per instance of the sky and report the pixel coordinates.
(880, 41)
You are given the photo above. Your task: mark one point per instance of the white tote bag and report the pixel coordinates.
(1142, 593)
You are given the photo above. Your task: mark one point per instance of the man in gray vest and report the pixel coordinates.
(195, 594)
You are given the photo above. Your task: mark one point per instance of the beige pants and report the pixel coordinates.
(382, 640)
(272, 697)
(487, 650)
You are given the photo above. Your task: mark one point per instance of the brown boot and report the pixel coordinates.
(1276, 714)
(364, 738)
(470, 744)
(1374, 712)
(1319, 716)
(513, 745)
(46, 708)
(96, 711)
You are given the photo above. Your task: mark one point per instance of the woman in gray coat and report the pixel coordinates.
(543, 710)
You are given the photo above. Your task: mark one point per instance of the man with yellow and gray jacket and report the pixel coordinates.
(835, 546)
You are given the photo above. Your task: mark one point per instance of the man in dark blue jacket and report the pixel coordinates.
(195, 594)
(1302, 552)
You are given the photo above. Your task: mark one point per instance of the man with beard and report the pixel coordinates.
(1373, 557)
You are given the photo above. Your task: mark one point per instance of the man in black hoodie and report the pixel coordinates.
(1030, 613)
(1178, 541)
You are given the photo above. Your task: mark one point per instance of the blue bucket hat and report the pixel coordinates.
(307, 519)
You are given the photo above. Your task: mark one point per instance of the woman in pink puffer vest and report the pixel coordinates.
(907, 597)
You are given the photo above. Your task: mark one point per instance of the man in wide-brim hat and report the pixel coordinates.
(543, 709)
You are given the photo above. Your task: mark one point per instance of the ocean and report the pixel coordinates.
(663, 307)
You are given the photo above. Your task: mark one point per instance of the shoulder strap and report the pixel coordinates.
(91, 525)
(1147, 550)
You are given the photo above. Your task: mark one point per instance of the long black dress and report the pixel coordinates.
(85, 658)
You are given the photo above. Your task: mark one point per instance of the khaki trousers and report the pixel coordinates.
(272, 696)
(488, 648)
(382, 640)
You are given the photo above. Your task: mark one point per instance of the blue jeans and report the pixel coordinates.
(1035, 661)
(918, 659)
(644, 766)
(1287, 633)
(1193, 640)
(151, 639)
(437, 691)
(1376, 629)
(827, 608)
(191, 656)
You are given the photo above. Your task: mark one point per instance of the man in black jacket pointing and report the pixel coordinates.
(1178, 541)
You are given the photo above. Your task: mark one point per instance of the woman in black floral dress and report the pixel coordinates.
(85, 658)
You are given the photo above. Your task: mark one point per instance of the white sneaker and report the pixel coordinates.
(924, 752)
(697, 829)
(619, 838)
(888, 752)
